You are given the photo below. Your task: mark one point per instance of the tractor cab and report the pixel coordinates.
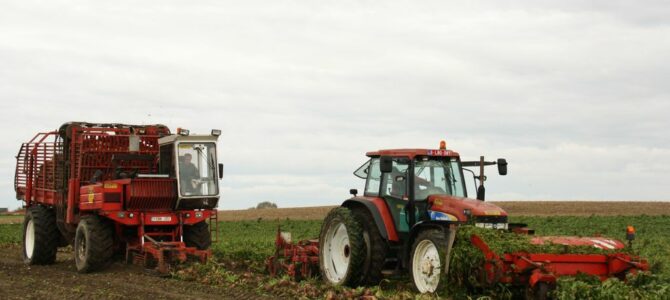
(431, 184)
(192, 161)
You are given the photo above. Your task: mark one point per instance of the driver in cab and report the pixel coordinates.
(188, 174)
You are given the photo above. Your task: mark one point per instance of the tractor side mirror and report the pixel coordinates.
(220, 171)
(353, 192)
(386, 164)
(502, 166)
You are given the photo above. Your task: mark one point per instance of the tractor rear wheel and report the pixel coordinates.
(198, 236)
(428, 260)
(93, 244)
(40, 236)
(342, 248)
(375, 248)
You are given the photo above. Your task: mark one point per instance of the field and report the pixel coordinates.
(246, 240)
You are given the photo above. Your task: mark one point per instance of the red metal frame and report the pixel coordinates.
(523, 268)
(298, 260)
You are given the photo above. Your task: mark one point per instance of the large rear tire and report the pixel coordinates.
(375, 248)
(40, 236)
(342, 248)
(198, 236)
(428, 260)
(93, 244)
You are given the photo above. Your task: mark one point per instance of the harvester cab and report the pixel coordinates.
(191, 160)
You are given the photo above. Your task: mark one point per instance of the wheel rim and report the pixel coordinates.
(29, 242)
(81, 247)
(336, 253)
(426, 267)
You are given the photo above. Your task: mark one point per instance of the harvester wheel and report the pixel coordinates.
(342, 249)
(428, 260)
(93, 244)
(40, 236)
(375, 248)
(198, 235)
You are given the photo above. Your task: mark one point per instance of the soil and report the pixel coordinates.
(119, 281)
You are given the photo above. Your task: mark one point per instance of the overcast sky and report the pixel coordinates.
(575, 95)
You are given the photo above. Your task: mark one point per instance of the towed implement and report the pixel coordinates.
(406, 221)
(136, 190)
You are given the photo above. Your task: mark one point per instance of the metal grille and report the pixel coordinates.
(152, 194)
(39, 167)
(94, 150)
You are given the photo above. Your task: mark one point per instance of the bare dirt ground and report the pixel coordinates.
(514, 208)
(119, 281)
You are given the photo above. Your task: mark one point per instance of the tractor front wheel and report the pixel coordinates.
(342, 250)
(93, 244)
(198, 236)
(40, 236)
(428, 260)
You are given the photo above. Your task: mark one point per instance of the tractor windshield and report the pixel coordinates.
(197, 169)
(438, 176)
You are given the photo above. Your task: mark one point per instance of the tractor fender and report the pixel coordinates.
(369, 206)
(447, 227)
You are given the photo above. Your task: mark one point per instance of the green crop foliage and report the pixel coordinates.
(10, 233)
(251, 242)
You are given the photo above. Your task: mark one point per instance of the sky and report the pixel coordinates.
(574, 94)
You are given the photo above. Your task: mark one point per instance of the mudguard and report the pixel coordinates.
(376, 215)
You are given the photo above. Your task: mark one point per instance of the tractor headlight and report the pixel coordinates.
(198, 214)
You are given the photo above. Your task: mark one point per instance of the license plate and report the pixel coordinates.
(492, 225)
(161, 219)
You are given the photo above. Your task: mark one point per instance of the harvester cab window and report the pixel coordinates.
(197, 169)
(373, 178)
(165, 165)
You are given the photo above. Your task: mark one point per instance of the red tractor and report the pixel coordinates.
(406, 220)
(137, 190)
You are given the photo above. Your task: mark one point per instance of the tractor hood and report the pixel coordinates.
(460, 209)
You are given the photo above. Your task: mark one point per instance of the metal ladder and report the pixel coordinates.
(214, 226)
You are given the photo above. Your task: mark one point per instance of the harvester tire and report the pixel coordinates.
(40, 236)
(342, 248)
(198, 236)
(428, 260)
(93, 244)
(375, 248)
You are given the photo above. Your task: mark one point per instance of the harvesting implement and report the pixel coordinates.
(539, 271)
(406, 221)
(137, 190)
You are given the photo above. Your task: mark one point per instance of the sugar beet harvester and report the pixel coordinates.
(406, 221)
(136, 190)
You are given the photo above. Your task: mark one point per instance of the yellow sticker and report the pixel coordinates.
(111, 185)
(90, 198)
(438, 202)
(185, 146)
(492, 213)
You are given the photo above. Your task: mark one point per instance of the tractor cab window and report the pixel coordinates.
(197, 169)
(394, 183)
(437, 177)
(373, 175)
